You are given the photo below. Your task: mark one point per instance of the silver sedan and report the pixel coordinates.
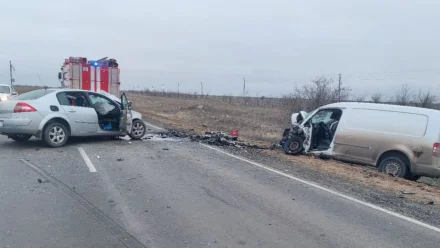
(54, 115)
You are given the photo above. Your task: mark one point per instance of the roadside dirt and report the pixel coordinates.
(365, 175)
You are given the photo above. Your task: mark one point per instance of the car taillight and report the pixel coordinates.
(435, 149)
(22, 107)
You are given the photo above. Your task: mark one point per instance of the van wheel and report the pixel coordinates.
(293, 146)
(55, 134)
(138, 129)
(20, 137)
(394, 166)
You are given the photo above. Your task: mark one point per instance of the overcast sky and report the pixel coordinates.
(376, 45)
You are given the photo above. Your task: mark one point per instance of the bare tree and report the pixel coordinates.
(359, 99)
(425, 100)
(376, 98)
(320, 92)
(404, 96)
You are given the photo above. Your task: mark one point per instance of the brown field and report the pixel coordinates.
(257, 124)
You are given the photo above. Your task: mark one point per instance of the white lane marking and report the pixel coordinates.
(151, 125)
(414, 221)
(86, 159)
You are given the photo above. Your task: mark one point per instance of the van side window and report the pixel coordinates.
(400, 123)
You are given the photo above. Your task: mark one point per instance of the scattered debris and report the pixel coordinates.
(39, 180)
(407, 193)
(431, 203)
(98, 157)
(146, 211)
(37, 149)
(120, 159)
(168, 206)
(212, 138)
(129, 143)
(165, 149)
(131, 178)
(241, 242)
(120, 212)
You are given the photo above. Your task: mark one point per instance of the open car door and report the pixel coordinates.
(126, 121)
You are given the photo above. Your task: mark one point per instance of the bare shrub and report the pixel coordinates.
(376, 98)
(404, 96)
(425, 99)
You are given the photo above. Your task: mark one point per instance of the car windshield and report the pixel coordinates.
(5, 89)
(32, 95)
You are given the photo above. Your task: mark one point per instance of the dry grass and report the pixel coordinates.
(263, 125)
(25, 88)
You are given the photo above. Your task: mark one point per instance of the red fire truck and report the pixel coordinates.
(93, 75)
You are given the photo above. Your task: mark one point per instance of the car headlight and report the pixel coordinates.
(4, 98)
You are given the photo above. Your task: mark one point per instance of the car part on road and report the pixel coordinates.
(55, 134)
(20, 137)
(138, 130)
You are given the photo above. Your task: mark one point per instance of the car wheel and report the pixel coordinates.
(55, 134)
(293, 146)
(394, 166)
(138, 130)
(20, 137)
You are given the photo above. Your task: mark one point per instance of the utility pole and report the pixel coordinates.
(11, 68)
(201, 88)
(339, 87)
(178, 90)
(244, 87)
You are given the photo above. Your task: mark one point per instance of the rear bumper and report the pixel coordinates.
(17, 126)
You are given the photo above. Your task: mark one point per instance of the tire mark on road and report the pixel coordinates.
(116, 230)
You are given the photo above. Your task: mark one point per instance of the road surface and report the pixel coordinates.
(175, 193)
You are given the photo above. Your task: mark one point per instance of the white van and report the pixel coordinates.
(401, 141)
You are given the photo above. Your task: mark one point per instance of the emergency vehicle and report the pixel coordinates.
(94, 75)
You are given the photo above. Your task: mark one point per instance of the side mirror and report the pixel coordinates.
(14, 94)
(129, 105)
(60, 75)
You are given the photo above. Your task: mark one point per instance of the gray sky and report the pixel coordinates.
(377, 45)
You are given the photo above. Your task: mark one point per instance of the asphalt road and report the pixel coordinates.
(174, 193)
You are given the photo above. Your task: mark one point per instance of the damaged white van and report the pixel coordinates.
(399, 140)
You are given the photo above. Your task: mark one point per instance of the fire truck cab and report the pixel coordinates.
(94, 75)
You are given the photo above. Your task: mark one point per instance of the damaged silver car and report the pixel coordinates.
(399, 140)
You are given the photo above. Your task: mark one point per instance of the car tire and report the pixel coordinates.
(293, 146)
(138, 130)
(394, 165)
(20, 137)
(55, 134)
